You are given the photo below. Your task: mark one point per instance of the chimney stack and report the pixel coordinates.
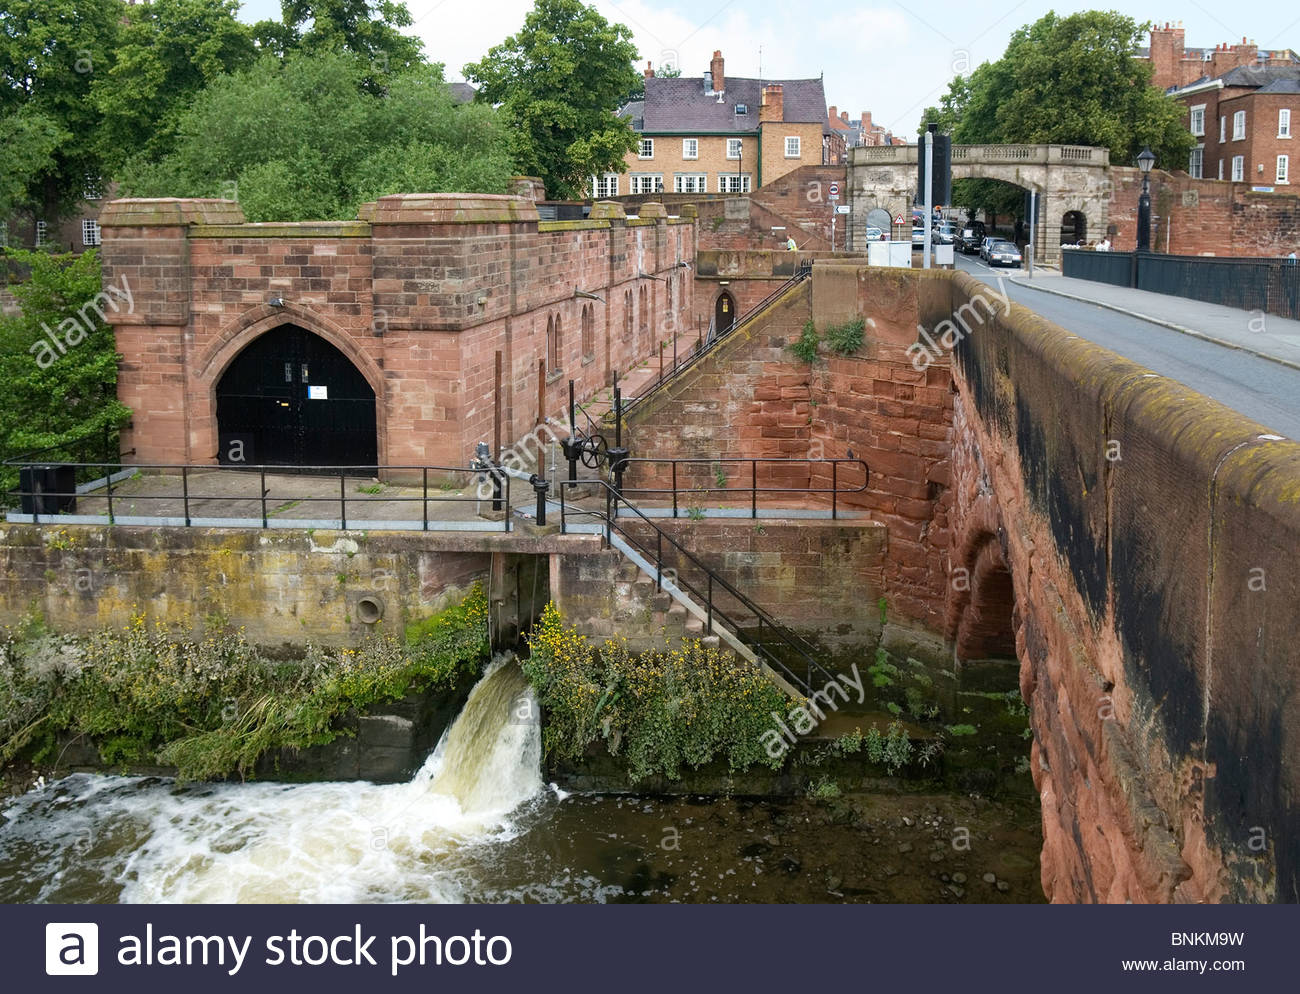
(719, 77)
(833, 112)
(649, 71)
(773, 108)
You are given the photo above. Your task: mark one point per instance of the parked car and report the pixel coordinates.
(1002, 253)
(946, 233)
(875, 234)
(918, 238)
(972, 235)
(985, 245)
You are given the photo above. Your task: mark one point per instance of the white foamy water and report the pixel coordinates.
(319, 843)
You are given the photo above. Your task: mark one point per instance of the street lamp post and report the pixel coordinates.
(1145, 161)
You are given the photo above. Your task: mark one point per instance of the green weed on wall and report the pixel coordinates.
(211, 707)
(659, 711)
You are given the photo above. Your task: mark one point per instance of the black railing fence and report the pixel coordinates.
(176, 492)
(685, 482)
(770, 641)
(1269, 285)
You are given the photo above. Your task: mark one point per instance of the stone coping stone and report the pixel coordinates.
(453, 208)
(607, 210)
(147, 212)
(284, 229)
(588, 225)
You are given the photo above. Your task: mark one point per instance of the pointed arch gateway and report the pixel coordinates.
(292, 398)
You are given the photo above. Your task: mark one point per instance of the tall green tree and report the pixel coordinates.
(368, 29)
(58, 358)
(560, 81)
(50, 51)
(1070, 80)
(168, 51)
(301, 139)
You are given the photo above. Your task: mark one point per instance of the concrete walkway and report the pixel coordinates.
(1265, 335)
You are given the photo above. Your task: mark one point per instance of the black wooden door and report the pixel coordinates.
(293, 399)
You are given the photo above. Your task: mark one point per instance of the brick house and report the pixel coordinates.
(860, 132)
(1176, 66)
(720, 134)
(1244, 122)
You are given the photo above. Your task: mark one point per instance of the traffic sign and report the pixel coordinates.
(835, 190)
(899, 220)
(842, 209)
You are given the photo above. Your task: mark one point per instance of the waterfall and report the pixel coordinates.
(319, 843)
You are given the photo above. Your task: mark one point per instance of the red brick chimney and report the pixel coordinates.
(719, 77)
(773, 108)
(866, 122)
(649, 71)
(1166, 55)
(844, 116)
(833, 112)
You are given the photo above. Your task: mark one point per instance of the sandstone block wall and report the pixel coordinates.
(1206, 216)
(750, 398)
(1149, 533)
(420, 293)
(283, 587)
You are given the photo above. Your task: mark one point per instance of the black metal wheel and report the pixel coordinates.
(593, 452)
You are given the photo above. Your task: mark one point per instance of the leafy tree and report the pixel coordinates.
(169, 50)
(302, 139)
(367, 29)
(50, 50)
(560, 81)
(1069, 80)
(50, 397)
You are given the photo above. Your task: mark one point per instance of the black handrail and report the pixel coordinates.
(802, 273)
(758, 645)
(753, 490)
(187, 497)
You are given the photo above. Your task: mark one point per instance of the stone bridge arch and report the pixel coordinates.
(1066, 178)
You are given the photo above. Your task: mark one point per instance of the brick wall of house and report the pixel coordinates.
(420, 294)
(712, 160)
(774, 134)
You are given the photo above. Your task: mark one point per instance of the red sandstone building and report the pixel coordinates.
(374, 341)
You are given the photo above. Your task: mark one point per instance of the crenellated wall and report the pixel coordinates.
(419, 293)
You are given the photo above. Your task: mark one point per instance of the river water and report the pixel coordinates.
(478, 824)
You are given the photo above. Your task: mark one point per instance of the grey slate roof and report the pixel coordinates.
(1258, 76)
(1281, 86)
(683, 105)
(462, 93)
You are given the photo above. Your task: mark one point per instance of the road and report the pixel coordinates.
(1262, 390)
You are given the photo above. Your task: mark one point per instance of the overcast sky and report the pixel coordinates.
(892, 59)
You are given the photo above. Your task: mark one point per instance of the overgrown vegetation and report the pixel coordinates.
(805, 347)
(212, 707)
(49, 401)
(659, 711)
(845, 339)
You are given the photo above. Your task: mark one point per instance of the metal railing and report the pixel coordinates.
(1271, 285)
(712, 467)
(801, 273)
(35, 500)
(705, 588)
